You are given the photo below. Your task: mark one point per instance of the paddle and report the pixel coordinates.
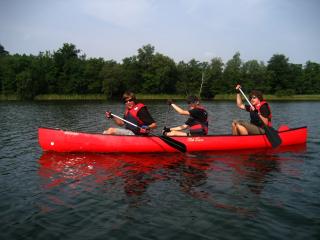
(272, 135)
(165, 123)
(171, 142)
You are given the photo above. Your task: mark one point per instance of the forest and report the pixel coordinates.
(68, 71)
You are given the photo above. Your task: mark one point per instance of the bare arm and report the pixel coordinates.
(239, 99)
(153, 125)
(239, 102)
(180, 110)
(118, 121)
(265, 120)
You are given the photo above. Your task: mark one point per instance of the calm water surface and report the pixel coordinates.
(218, 195)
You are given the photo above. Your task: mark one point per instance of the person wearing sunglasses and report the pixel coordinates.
(136, 113)
(260, 114)
(197, 123)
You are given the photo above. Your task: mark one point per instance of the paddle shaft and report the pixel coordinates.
(246, 97)
(125, 121)
(168, 109)
(172, 142)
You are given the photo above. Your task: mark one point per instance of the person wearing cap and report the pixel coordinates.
(197, 123)
(260, 114)
(136, 113)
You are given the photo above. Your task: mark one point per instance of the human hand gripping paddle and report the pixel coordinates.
(272, 135)
(170, 141)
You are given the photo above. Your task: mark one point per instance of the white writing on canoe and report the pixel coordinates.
(195, 139)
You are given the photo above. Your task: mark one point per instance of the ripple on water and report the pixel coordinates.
(229, 195)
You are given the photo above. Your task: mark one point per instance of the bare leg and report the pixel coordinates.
(176, 133)
(241, 130)
(234, 129)
(110, 131)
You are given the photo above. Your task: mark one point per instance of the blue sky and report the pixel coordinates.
(180, 29)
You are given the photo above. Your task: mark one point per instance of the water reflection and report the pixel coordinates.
(222, 179)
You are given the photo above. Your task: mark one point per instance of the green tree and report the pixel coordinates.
(214, 79)
(3, 66)
(131, 74)
(92, 75)
(145, 59)
(3, 52)
(232, 74)
(42, 70)
(161, 75)
(25, 85)
(310, 82)
(7, 75)
(149, 72)
(112, 85)
(189, 77)
(255, 76)
(14, 65)
(279, 68)
(68, 69)
(294, 78)
(145, 56)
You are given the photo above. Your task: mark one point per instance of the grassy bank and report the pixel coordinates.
(70, 97)
(219, 97)
(274, 97)
(8, 97)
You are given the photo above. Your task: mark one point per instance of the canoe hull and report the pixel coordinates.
(58, 140)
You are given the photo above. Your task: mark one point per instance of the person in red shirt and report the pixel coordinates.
(136, 113)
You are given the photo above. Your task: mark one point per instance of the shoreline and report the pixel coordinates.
(101, 97)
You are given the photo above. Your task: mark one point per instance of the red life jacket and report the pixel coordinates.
(270, 115)
(131, 115)
(200, 126)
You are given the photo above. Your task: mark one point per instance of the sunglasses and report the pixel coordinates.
(128, 100)
(253, 97)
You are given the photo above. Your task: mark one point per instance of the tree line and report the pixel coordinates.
(67, 71)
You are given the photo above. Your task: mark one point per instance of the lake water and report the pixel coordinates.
(217, 195)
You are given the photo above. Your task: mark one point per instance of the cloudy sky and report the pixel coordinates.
(180, 29)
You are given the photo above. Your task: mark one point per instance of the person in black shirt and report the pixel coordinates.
(136, 113)
(197, 123)
(260, 115)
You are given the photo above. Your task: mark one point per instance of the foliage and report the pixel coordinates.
(66, 71)
(232, 73)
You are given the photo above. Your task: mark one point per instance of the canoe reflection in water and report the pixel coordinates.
(223, 179)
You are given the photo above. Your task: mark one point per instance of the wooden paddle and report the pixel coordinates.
(171, 142)
(272, 134)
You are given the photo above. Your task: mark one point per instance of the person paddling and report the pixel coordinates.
(197, 123)
(260, 114)
(136, 113)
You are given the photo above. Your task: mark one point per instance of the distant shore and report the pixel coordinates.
(218, 97)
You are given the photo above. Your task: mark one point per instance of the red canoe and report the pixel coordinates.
(58, 140)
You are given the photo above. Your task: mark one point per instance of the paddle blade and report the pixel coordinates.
(174, 143)
(273, 136)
